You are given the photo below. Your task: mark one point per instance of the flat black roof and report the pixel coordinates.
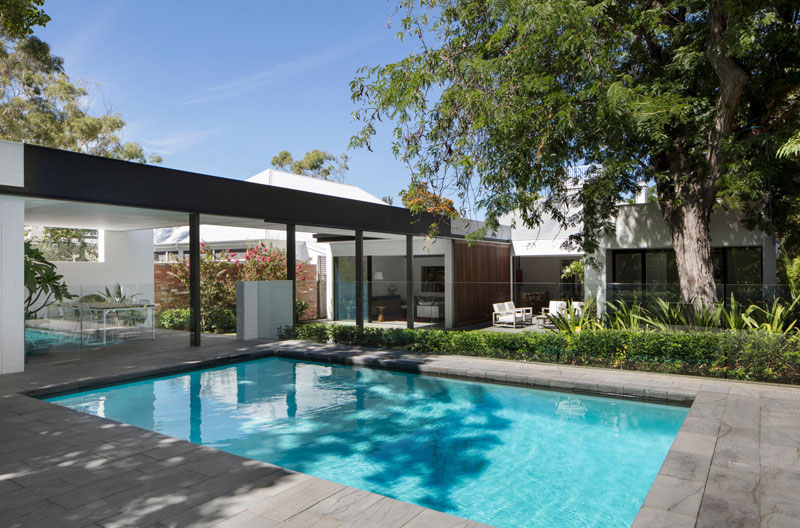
(63, 175)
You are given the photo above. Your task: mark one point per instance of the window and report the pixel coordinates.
(628, 267)
(737, 271)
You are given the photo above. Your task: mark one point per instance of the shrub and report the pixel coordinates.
(735, 354)
(174, 319)
(318, 333)
(220, 321)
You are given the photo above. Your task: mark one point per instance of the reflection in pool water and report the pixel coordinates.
(503, 455)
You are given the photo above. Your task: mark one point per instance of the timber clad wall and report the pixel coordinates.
(482, 277)
(171, 293)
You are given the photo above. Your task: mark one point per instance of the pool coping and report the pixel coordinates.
(730, 464)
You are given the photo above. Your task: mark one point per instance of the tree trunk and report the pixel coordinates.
(689, 228)
(687, 199)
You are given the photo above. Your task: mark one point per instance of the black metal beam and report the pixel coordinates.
(195, 310)
(61, 175)
(410, 281)
(360, 278)
(291, 264)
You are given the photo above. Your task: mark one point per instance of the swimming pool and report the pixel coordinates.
(504, 455)
(38, 340)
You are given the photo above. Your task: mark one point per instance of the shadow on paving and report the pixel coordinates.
(63, 468)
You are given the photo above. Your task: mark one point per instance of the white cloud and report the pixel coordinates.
(175, 142)
(275, 73)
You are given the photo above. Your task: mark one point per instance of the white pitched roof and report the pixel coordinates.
(315, 185)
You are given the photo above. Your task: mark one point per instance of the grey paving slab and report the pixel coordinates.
(734, 463)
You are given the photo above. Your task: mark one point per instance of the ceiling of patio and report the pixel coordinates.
(58, 213)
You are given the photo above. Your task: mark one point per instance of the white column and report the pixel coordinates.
(12, 268)
(12, 285)
(449, 286)
(595, 279)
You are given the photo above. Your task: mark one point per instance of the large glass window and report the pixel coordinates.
(737, 272)
(628, 267)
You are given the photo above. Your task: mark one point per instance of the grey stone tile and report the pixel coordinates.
(780, 457)
(311, 519)
(245, 519)
(386, 513)
(779, 491)
(734, 456)
(296, 499)
(695, 443)
(36, 513)
(654, 518)
(780, 405)
(687, 466)
(781, 436)
(346, 504)
(98, 490)
(774, 419)
(706, 411)
(733, 483)
(704, 426)
(675, 495)
(716, 512)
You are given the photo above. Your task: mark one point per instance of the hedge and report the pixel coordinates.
(219, 320)
(733, 354)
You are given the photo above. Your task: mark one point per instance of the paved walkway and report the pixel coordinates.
(735, 461)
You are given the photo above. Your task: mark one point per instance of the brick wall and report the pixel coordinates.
(307, 291)
(171, 293)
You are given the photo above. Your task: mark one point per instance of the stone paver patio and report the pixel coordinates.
(735, 461)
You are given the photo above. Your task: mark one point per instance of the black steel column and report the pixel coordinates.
(291, 264)
(410, 281)
(195, 311)
(360, 278)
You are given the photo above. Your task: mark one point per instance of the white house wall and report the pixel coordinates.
(642, 226)
(12, 285)
(12, 270)
(127, 259)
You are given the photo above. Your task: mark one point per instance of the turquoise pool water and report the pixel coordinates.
(503, 455)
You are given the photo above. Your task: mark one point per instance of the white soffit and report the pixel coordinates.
(57, 213)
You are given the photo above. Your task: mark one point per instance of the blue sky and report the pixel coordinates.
(220, 89)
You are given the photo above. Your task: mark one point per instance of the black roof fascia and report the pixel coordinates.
(63, 175)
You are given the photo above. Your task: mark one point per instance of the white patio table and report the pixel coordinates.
(108, 307)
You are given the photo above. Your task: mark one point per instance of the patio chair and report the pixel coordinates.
(527, 312)
(134, 322)
(91, 325)
(502, 316)
(506, 314)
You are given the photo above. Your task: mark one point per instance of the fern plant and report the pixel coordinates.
(777, 318)
(620, 316)
(573, 320)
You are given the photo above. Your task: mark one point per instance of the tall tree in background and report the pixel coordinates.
(40, 105)
(317, 164)
(18, 17)
(503, 95)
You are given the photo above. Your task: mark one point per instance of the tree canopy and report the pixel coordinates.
(316, 163)
(18, 17)
(39, 104)
(502, 96)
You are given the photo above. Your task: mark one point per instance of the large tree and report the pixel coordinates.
(18, 17)
(502, 96)
(316, 163)
(39, 104)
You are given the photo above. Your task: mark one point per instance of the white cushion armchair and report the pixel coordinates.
(506, 314)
